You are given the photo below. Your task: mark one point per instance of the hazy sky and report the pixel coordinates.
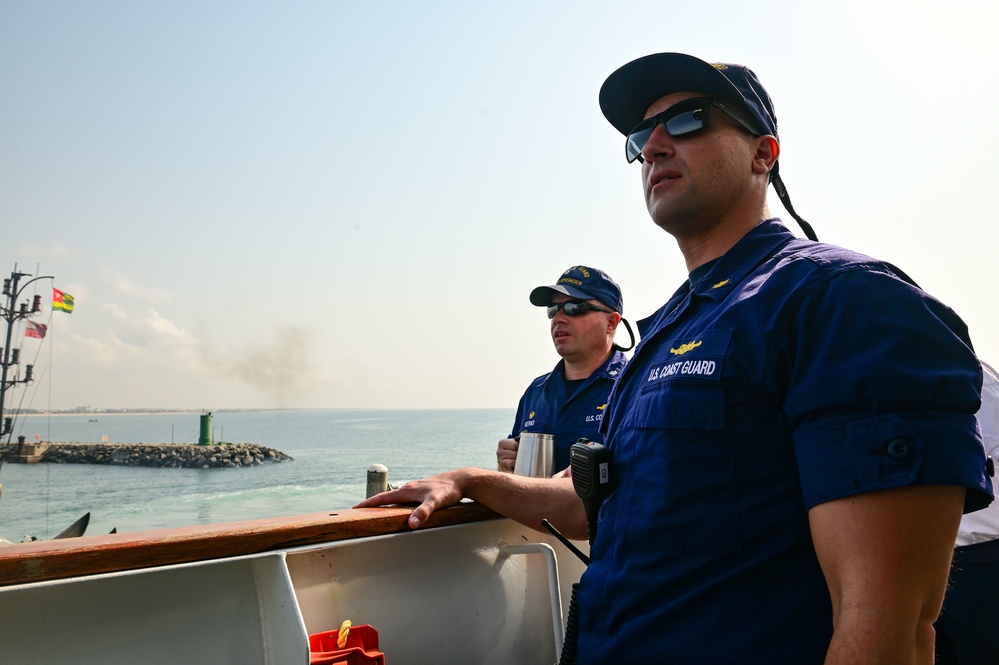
(345, 204)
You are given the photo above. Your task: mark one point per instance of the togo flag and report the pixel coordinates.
(62, 301)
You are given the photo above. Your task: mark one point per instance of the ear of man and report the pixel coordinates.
(612, 320)
(767, 152)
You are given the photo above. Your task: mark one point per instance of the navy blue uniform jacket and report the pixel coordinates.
(545, 407)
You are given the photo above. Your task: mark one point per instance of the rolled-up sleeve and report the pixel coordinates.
(883, 387)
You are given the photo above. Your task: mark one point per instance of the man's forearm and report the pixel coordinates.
(859, 640)
(528, 500)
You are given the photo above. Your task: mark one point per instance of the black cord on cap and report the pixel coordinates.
(786, 200)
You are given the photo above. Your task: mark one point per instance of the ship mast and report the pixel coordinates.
(11, 312)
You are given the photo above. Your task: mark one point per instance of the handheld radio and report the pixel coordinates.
(591, 479)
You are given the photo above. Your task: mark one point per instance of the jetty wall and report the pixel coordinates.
(180, 456)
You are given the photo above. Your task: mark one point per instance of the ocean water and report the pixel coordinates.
(332, 450)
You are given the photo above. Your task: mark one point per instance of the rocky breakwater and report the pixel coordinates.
(184, 456)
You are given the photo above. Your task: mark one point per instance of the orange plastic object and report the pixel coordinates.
(361, 647)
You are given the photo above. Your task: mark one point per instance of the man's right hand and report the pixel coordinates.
(506, 454)
(431, 493)
(520, 498)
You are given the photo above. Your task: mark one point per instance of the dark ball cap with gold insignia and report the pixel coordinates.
(629, 92)
(582, 283)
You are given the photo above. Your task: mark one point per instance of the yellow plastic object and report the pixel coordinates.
(360, 647)
(341, 638)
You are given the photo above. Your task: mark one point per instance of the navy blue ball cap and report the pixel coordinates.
(582, 283)
(629, 92)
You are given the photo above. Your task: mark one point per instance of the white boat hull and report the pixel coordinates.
(463, 593)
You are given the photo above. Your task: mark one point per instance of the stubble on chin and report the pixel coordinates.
(671, 208)
(675, 217)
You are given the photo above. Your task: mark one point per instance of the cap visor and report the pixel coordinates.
(542, 296)
(629, 92)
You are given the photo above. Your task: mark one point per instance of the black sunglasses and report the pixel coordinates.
(686, 117)
(574, 308)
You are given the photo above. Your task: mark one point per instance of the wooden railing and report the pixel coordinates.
(89, 555)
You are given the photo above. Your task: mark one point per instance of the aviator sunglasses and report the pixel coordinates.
(686, 117)
(574, 308)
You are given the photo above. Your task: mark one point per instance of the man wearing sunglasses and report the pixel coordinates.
(585, 307)
(793, 440)
(796, 431)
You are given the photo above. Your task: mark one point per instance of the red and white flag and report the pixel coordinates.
(36, 330)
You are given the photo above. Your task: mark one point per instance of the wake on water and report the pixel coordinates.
(332, 450)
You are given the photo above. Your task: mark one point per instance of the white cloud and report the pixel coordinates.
(125, 286)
